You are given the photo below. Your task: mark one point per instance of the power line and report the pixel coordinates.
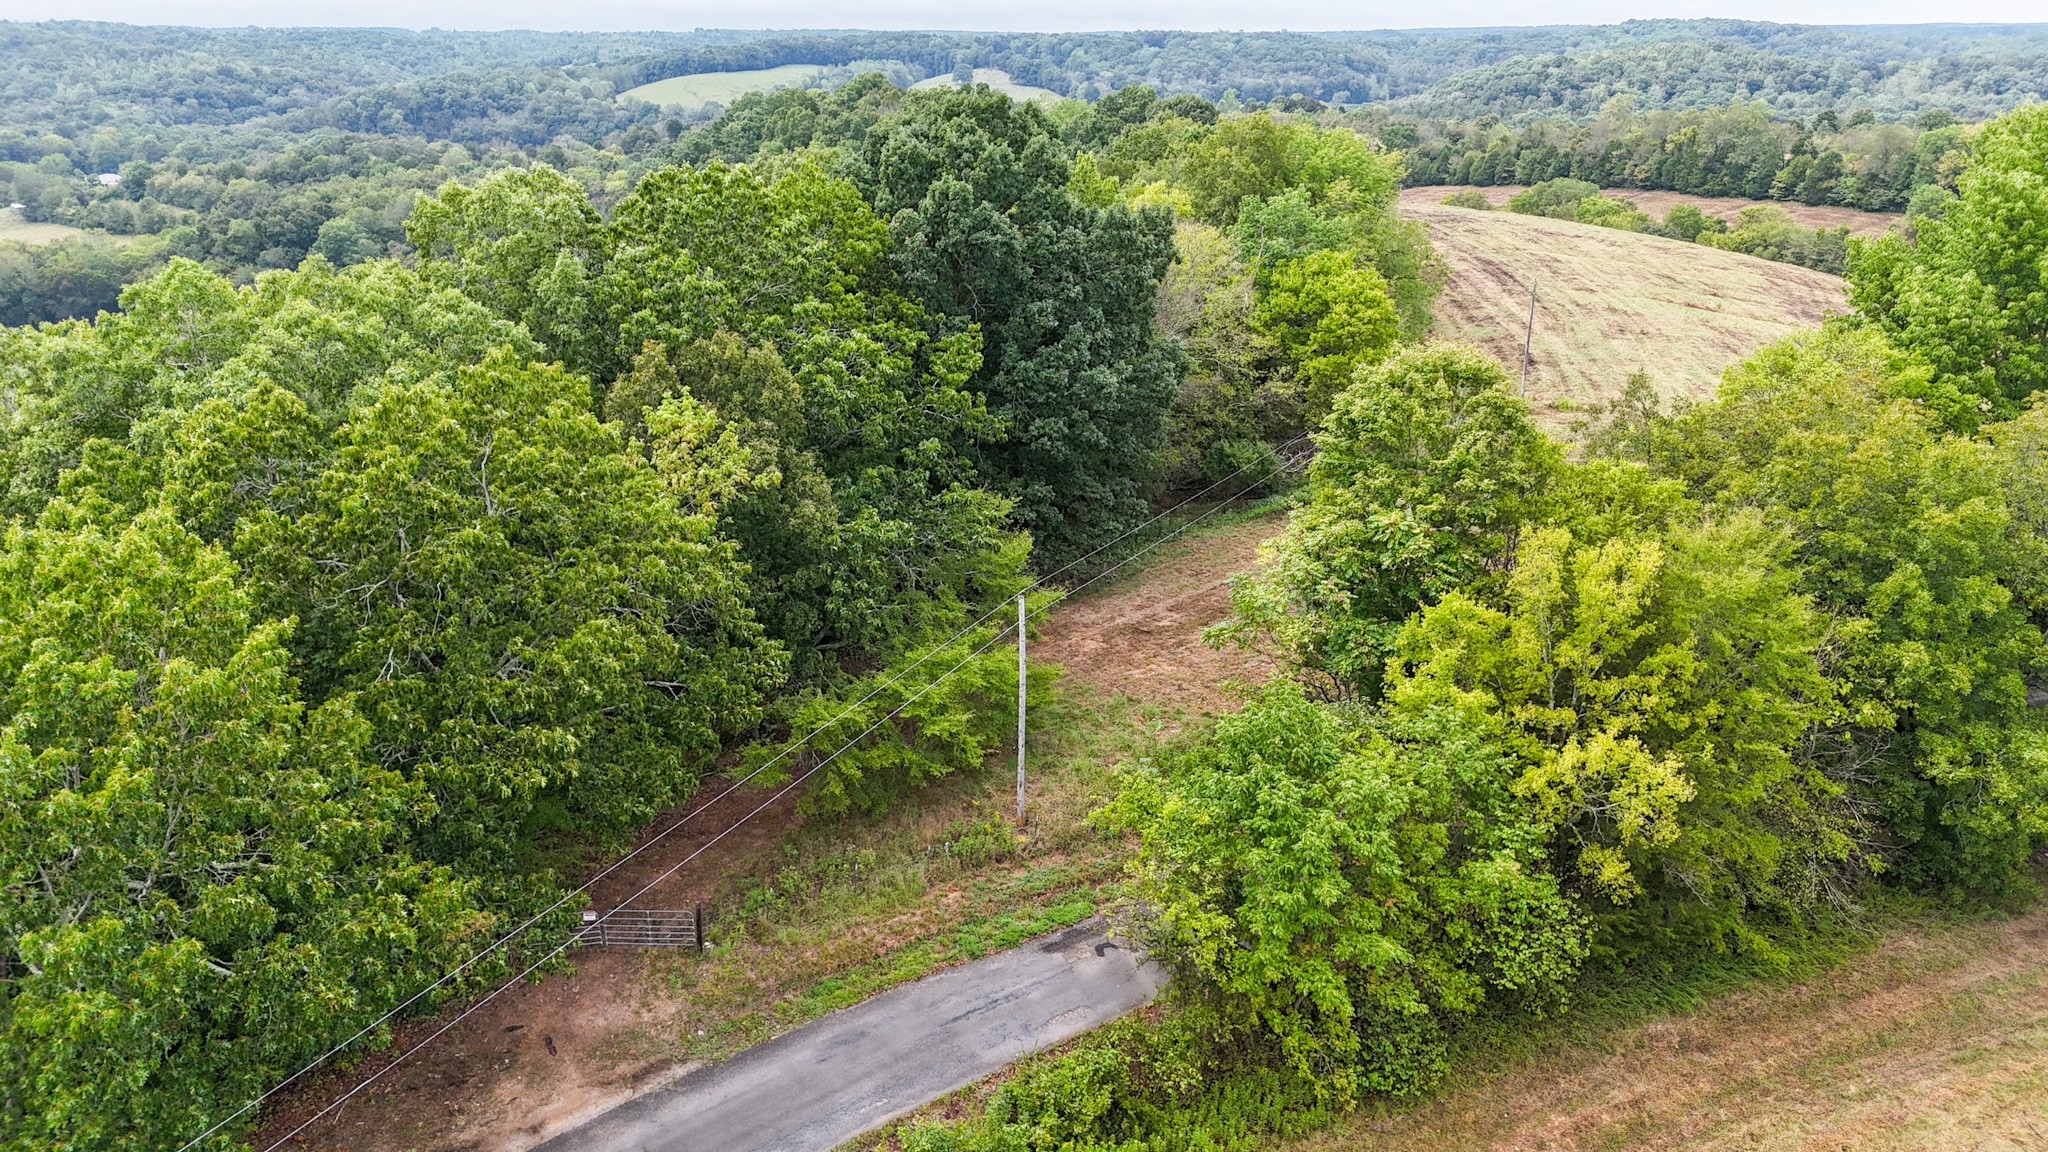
(785, 790)
(584, 887)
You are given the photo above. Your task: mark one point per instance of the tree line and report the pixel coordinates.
(1847, 158)
(214, 142)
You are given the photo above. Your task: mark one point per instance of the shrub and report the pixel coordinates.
(1559, 198)
(1300, 869)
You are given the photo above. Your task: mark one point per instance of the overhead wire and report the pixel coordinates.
(502, 941)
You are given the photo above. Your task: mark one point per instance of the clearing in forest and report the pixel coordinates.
(16, 228)
(810, 916)
(997, 79)
(701, 88)
(1859, 222)
(1611, 304)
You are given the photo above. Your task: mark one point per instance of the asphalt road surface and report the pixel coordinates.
(837, 1077)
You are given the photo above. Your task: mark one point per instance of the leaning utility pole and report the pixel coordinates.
(1023, 673)
(1528, 337)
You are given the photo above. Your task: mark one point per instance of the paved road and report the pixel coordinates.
(837, 1077)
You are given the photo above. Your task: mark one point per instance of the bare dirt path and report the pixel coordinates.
(545, 1057)
(1142, 635)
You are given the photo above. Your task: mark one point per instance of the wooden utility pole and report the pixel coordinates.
(1023, 673)
(1528, 337)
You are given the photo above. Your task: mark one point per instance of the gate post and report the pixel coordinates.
(697, 927)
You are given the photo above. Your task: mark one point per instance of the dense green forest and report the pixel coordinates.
(1848, 158)
(451, 474)
(349, 610)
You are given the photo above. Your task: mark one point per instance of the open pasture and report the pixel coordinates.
(1610, 304)
(15, 229)
(722, 87)
(1859, 222)
(997, 79)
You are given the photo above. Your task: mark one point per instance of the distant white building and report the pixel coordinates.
(108, 179)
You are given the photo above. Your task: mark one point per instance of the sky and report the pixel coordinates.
(982, 15)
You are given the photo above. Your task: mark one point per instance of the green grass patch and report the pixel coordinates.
(700, 88)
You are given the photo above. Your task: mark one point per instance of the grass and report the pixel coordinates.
(1930, 1033)
(997, 79)
(1611, 303)
(15, 229)
(1657, 203)
(722, 87)
(860, 905)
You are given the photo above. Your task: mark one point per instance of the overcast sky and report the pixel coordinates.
(1038, 16)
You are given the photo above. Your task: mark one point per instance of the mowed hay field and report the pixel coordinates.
(1859, 222)
(723, 87)
(997, 79)
(1610, 304)
(1935, 1039)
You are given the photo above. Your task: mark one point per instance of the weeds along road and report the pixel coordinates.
(832, 1079)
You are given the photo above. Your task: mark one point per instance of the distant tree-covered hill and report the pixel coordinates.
(247, 148)
(1896, 71)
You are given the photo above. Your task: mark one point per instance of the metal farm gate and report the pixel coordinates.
(646, 927)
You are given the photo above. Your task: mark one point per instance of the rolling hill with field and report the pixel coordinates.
(997, 79)
(1658, 202)
(722, 87)
(1610, 304)
(16, 228)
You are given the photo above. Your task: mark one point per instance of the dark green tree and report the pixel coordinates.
(984, 232)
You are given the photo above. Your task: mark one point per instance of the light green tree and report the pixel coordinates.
(1969, 294)
(1349, 890)
(1659, 692)
(203, 882)
(1329, 317)
(1428, 467)
(1908, 537)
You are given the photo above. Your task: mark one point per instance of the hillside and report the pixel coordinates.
(1935, 1039)
(1657, 203)
(1611, 303)
(997, 79)
(723, 87)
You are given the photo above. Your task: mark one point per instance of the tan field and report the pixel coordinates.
(1859, 222)
(997, 79)
(1936, 1040)
(1610, 304)
(723, 87)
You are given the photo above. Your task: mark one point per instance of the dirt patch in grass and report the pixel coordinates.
(1611, 304)
(811, 916)
(1935, 1039)
(1142, 636)
(1859, 222)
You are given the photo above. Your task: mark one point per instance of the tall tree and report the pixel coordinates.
(1969, 294)
(984, 231)
(1428, 468)
(203, 882)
